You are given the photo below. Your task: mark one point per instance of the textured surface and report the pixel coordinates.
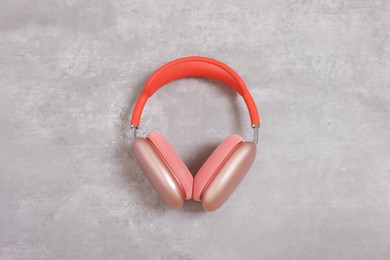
(70, 72)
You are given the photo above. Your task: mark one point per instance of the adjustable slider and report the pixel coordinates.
(255, 133)
(134, 128)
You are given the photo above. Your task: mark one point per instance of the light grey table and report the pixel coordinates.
(70, 72)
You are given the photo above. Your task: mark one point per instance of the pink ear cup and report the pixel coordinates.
(212, 165)
(229, 176)
(173, 161)
(157, 172)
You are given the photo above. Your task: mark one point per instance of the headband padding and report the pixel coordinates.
(194, 67)
(190, 69)
(173, 161)
(213, 164)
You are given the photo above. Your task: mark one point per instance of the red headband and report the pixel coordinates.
(194, 67)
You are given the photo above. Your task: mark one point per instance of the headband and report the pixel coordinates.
(195, 67)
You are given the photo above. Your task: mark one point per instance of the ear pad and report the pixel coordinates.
(173, 161)
(223, 171)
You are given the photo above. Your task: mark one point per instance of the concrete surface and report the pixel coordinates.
(70, 72)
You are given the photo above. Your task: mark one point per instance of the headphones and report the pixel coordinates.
(226, 166)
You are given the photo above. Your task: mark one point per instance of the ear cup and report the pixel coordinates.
(213, 164)
(229, 176)
(158, 173)
(173, 161)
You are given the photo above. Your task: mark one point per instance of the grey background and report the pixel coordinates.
(70, 72)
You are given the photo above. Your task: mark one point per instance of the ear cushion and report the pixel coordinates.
(173, 161)
(213, 164)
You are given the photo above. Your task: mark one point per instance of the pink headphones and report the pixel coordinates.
(227, 165)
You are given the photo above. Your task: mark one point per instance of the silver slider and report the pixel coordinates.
(134, 127)
(255, 133)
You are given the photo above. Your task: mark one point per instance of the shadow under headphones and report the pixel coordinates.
(226, 166)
